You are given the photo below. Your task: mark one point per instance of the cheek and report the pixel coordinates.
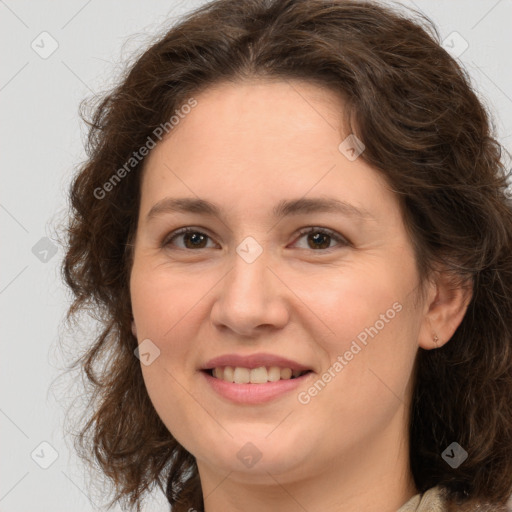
(164, 313)
(371, 342)
(162, 300)
(168, 310)
(354, 301)
(166, 307)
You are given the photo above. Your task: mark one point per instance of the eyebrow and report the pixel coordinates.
(282, 209)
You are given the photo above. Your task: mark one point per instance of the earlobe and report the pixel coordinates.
(430, 339)
(447, 304)
(134, 329)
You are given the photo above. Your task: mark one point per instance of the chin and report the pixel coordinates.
(275, 464)
(255, 453)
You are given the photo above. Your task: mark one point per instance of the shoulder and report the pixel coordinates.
(432, 500)
(437, 499)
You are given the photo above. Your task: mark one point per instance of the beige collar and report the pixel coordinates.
(429, 501)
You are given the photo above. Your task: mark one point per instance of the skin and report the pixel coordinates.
(245, 147)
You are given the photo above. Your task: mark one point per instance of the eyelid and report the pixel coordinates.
(342, 241)
(181, 231)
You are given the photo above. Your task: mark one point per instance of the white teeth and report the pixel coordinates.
(286, 373)
(229, 374)
(242, 375)
(274, 373)
(259, 375)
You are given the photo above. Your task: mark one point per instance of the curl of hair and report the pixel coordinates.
(428, 134)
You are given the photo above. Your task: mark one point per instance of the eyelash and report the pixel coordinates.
(332, 234)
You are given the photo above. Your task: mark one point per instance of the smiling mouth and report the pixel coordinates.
(260, 375)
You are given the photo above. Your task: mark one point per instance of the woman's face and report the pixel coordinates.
(250, 288)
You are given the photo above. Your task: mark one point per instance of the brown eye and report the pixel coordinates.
(192, 239)
(321, 238)
(317, 239)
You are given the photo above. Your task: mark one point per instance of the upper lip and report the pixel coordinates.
(253, 361)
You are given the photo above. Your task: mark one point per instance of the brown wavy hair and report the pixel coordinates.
(424, 129)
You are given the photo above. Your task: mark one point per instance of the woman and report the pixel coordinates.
(294, 226)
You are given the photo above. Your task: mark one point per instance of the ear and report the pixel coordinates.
(444, 309)
(134, 328)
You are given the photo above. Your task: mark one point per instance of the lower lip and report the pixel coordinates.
(254, 393)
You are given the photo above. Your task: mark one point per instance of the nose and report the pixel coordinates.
(252, 299)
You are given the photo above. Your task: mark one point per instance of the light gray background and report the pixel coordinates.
(41, 140)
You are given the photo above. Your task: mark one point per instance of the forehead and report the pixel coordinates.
(258, 120)
(258, 141)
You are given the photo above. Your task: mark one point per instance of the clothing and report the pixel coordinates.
(429, 501)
